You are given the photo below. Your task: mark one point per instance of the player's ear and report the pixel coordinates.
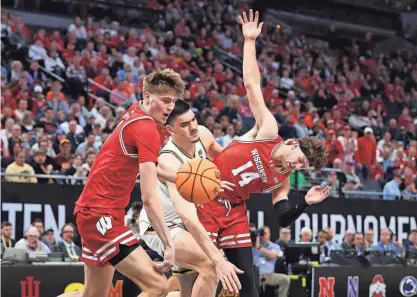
(170, 129)
(147, 97)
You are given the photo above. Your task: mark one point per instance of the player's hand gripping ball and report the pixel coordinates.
(198, 181)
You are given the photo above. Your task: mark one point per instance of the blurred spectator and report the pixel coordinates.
(348, 240)
(410, 193)
(284, 238)
(365, 156)
(40, 166)
(78, 29)
(369, 238)
(306, 235)
(324, 250)
(38, 224)
(48, 237)
(349, 144)
(230, 135)
(392, 188)
(358, 243)
(31, 242)
(386, 242)
(64, 157)
(267, 252)
(351, 175)
(19, 166)
(6, 236)
(334, 146)
(333, 182)
(410, 244)
(88, 144)
(330, 244)
(67, 246)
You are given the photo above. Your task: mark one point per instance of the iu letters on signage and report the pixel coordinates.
(29, 287)
(326, 286)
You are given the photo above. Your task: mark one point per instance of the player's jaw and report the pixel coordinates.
(194, 135)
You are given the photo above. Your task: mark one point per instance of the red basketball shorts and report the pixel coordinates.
(102, 234)
(228, 228)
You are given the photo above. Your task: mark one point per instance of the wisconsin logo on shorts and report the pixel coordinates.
(104, 224)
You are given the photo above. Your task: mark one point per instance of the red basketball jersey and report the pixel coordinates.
(249, 165)
(113, 175)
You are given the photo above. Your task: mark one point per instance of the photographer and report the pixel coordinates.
(267, 252)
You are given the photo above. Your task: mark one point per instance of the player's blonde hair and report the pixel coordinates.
(164, 81)
(315, 151)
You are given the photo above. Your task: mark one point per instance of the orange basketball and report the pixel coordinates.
(198, 181)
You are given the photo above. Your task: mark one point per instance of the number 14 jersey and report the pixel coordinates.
(249, 165)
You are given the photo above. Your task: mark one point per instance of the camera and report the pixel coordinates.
(255, 234)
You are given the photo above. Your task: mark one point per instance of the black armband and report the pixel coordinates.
(286, 215)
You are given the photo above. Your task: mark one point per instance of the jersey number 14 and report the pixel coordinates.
(246, 177)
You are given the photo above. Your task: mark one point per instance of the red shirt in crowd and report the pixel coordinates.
(335, 150)
(366, 152)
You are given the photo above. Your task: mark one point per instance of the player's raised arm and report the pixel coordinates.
(188, 214)
(265, 121)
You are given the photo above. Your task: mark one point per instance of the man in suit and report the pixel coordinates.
(359, 243)
(67, 246)
(6, 236)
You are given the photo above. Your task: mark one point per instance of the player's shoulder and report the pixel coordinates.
(144, 123)
(205, 135)
(204, 131)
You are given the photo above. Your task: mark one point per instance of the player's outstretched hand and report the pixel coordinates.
(250, 27)
(225, 185)
(227, 274)
(317, 194)
(169, 261)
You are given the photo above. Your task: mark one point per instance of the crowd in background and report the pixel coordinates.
(361, 101)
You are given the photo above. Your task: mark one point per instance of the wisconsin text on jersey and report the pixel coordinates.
(259, 165)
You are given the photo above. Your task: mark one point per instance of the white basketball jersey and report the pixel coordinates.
(171, 216)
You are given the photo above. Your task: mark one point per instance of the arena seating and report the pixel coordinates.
(92, 71)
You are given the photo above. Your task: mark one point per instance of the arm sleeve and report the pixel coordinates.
(286, 215)
(144, 135)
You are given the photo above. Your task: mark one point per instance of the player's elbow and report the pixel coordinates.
(188, 223)
(147, 199)
(250, 83)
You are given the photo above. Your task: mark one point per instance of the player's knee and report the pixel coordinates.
(92, 292)
(160, 290)
(208, 272)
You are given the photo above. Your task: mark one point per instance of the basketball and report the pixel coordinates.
(198, 181)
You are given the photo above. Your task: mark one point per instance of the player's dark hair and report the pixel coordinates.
(5, 224)
(180, 108)
(315, 151)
